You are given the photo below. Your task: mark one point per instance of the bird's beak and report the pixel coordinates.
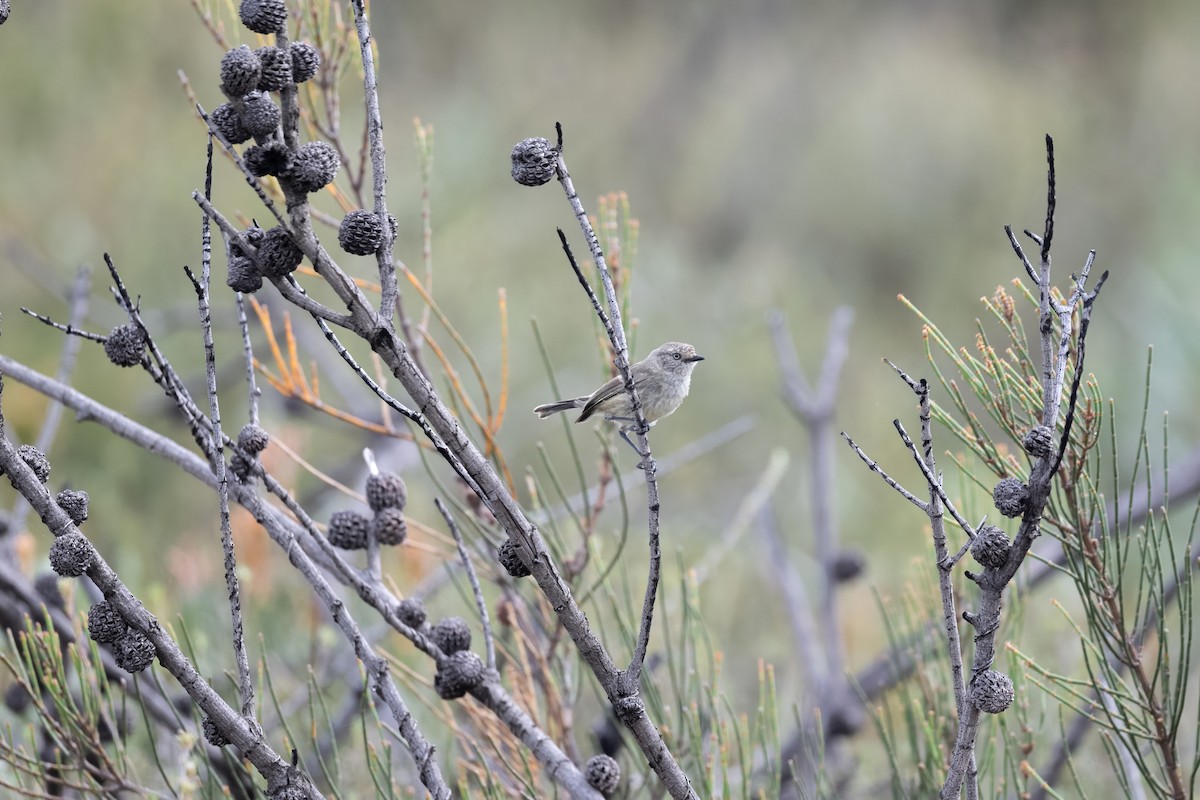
(694, 358)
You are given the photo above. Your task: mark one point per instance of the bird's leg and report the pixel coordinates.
(630, 426)
(624, 431)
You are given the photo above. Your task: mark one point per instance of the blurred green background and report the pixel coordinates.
(798, 156)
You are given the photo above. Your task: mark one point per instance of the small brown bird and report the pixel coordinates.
(662, 380)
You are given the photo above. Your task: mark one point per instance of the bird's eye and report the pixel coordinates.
(675, 356)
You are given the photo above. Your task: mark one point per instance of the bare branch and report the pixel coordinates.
(391, 302)
(1020, 251)
(242, 659)
(934, 481)
(473, 578)
(252, 390)
(1051, 201)
(878, 470)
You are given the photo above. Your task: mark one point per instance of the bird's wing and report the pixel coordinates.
(609, 390)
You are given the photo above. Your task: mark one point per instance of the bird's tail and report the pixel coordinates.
(546, 410)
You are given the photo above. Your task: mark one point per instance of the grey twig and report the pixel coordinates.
(289, 106)
(558, 765)
(1020, 251)
(1085, 318)
(295, 294)
(490, 693)
(69, 329)
(945, 582)
(888, 479)
(252, 390)
(935, 482)
(156, 365)
(962, 551)
(473, 578)
(245, 682)
(391, 303)
(587, 288)
(612, 321)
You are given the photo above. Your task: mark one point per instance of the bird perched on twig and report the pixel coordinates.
(662, 380)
